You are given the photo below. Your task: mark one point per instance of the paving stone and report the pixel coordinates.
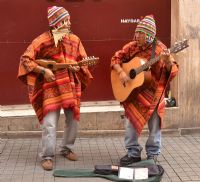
(19, 162)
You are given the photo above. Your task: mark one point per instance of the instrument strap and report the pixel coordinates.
(153, 49)
(152, 52)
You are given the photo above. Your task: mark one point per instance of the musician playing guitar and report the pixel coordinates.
(51, 90)
(145, 103)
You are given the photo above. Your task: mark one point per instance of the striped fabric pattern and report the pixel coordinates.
(65, 91)
(56, 15)
(147, 25)
(143, 101)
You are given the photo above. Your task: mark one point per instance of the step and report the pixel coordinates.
(97, 119)
(95, 116)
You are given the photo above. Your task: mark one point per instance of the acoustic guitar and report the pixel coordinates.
(50, 64)
(135, 69)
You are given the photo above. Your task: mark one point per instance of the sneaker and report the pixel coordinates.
(153, 157)
(47, 164)
(126, 160)
(70, 155)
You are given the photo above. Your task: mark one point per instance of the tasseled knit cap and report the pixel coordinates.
(56, 15)
(147, 25)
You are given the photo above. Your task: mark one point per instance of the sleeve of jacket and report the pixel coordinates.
(84, 74)
(121, 54)
(174, 70)
(158, 68)
(27, 60)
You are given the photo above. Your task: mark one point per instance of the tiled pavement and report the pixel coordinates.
(19, 158)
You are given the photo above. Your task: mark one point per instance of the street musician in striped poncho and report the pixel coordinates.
(145, 104)
(50, 91)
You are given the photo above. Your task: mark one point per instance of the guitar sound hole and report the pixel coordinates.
(132, 74)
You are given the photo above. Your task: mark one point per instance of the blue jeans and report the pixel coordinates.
(49, 133)
(153, 143)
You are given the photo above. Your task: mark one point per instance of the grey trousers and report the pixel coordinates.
(153, 143)
(49, 133)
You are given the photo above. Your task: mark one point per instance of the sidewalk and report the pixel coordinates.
(19, 158)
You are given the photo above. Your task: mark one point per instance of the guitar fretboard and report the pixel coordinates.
(154, 60)
(174, 49)
(147, 65)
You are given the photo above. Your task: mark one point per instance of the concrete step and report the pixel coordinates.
(96, 117)
(102, 118)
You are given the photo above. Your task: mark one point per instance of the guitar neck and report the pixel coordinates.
(147, 64)
(54, 66)
(173, 49)
(65, 65)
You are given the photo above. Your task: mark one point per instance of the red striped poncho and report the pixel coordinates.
(65, 91)
(142, 101)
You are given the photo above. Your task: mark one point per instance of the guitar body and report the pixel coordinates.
(122, 92)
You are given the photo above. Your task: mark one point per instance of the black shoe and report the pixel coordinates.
(153, 157)
(126, 160)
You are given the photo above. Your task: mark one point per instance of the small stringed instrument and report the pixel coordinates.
(50, 64)
(135, 69)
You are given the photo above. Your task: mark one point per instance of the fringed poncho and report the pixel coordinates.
(65, 91)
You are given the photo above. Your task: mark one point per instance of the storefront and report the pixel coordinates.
(104, 26)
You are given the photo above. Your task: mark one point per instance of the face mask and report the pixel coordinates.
(59, 34)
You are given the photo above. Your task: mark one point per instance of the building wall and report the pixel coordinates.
(185, 87)
(185, 24)
(98, 24)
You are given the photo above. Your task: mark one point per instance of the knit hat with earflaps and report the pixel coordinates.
(148, 26)
(56, 15)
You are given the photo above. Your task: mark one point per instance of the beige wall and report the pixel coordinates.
(185, 18)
